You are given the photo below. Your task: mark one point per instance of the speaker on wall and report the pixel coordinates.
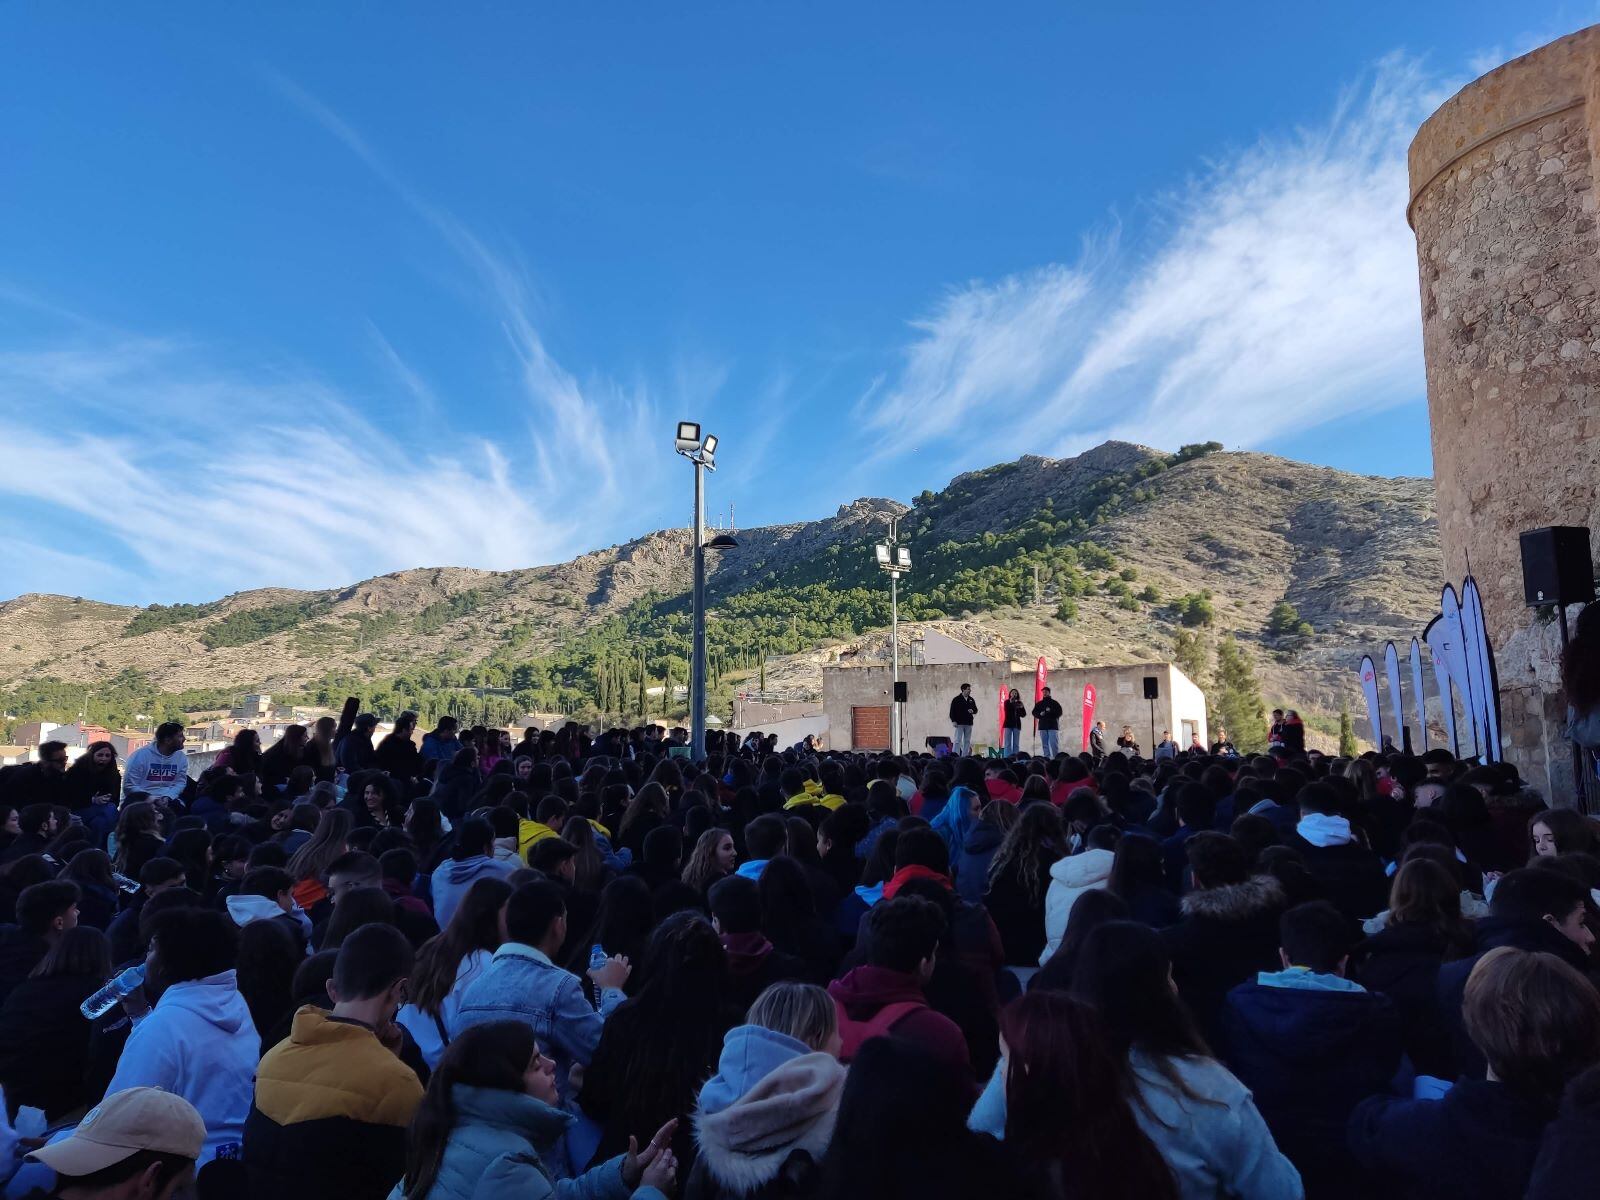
(1152, 687)
(900, 692)
(1557, 567)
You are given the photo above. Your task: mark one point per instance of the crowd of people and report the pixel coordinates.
(466, 968)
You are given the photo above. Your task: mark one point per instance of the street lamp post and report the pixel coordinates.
(702, 453)
(893, 558)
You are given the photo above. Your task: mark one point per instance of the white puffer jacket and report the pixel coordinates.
(1069, 879)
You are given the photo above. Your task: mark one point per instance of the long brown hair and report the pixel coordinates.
(475, 925)
(1424, 893)
(495, 1056)
(1034, 843)
(330, 840)
(1536, 1019)
(1068, 1103)
(701, 871)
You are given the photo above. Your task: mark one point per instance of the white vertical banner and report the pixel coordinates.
(1369, 689)
(1436, 634)
(1419, 743)
(1482, 662)
(1459, 663)
(1391, 668)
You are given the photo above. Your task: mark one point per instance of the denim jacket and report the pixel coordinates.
(522, 984)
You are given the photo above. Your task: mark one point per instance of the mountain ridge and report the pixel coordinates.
(1356, 556)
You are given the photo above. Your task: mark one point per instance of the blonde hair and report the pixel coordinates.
(803, 1011)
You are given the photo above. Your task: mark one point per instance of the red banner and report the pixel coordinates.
(1000, 736)
(1088, 712)
(1041, 675)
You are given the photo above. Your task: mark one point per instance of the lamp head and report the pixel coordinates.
(722, 542)
(688, 437)
(881, 553)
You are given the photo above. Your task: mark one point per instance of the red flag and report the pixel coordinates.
(1041, 674)
(1000, 737)
(1088, 712)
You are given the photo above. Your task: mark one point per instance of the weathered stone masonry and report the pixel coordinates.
(1503, 205)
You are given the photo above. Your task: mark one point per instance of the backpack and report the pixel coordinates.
(854, 1034)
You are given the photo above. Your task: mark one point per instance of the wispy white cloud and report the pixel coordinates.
(1274, 292)
(238, 483)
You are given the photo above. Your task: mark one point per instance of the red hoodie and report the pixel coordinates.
(863, 991)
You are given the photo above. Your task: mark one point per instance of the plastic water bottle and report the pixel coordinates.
(108, 997)
(598, 958)
(124, 884)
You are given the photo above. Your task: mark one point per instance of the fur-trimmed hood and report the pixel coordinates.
(1236, 901)
(791, 1108)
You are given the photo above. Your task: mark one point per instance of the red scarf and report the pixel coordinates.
(906, 874)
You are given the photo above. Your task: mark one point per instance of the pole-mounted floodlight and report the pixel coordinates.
(701, 451)
(882, 553)
(902, 557)
(894, 560)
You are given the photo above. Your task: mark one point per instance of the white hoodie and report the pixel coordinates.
(1070, 878)
(199, 1043)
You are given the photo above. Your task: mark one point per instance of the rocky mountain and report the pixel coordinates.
(1119, 533)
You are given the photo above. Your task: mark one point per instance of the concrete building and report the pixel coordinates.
(1503, 204)
(855, 701)
(126, 741)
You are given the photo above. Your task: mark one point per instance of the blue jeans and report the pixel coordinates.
(1049, 742)
(1012, 741)
(962, 739)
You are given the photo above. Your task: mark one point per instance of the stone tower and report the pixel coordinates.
(1503, 204)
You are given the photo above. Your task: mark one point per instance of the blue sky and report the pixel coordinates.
(295, 294)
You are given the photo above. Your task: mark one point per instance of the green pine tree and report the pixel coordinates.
(642, 676)
(761, 683)
(1193, 656)
(1347, 732)
(1239, 707)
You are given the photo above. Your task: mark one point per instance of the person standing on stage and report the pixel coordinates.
(963, 710)
(1048, 713)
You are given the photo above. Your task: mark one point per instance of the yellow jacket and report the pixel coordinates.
(531, 833)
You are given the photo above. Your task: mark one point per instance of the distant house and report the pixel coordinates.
(126, 741)
(10, 756)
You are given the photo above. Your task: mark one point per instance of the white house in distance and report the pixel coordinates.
(855, 701)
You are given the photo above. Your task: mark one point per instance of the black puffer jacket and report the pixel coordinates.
(1225, 935)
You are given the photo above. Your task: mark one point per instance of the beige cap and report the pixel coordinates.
(141, 1118)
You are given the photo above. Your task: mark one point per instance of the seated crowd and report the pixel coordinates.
(592, 968)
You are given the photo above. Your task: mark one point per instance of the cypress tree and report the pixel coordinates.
(1239, 706)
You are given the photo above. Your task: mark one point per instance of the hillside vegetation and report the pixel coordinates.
(1106, 557)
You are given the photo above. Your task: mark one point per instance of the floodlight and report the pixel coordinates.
(710, 444)
(882, 554)
(688, 439)
(902, 557)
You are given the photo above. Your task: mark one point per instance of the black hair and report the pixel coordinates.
(547, 854)
(157, 871)
(1216, 859)
(922, 848)
(357, 863)
(270, 882)
(171, 1167)
(1529, 894)
(194, 943)
(766, 836)
(736, 904)
(1315, 935)
(902, 933)
(398, 864)
(370, 960)
(531, 910)
(41, 903)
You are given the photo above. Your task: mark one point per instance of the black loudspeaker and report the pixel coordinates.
(900, 693)
(1556, 566)
(1152, 688)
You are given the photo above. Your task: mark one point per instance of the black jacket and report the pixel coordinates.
(1494, 932)
(399, 756)
(1351, 876)
(30, 783)
(1226, 935)
(1015, 711)
(1048, 713)
(1017, 915)
(44, 1044)
(1476, 1143)
(20, 953)
(1310, 1056)
(1569, 1154)
(1402, 962)
(963, 708)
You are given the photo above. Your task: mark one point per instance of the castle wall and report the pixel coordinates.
(1503, 206)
